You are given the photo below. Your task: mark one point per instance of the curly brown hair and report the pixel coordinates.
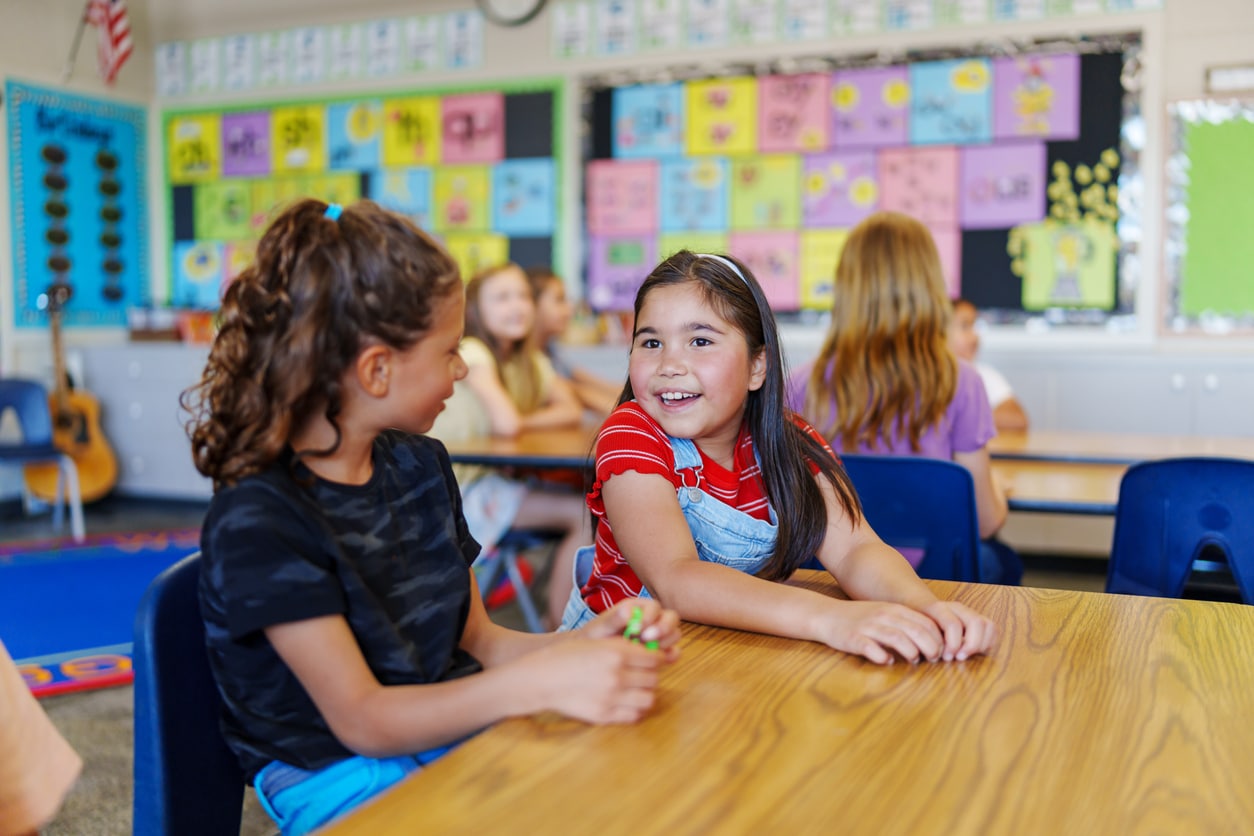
(291, 324)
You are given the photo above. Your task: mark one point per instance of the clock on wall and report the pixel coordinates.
(510, 12)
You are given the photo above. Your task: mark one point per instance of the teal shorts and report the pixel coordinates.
(302, 800)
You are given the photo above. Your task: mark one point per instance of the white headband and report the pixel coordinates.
(726, 261)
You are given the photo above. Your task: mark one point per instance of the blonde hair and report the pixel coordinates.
(517, 363)
(885, 369)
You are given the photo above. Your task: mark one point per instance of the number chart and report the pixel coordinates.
(1012, 161)
(479, 169)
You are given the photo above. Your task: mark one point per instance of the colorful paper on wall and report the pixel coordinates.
(948, 242)
(246, 144)
(617, 266)
(1037, 96)
(522, 197)
(411, 131)
(223, 210)
(355, 135)
(951, 101)
(841, 188)
(921, 182)
(694, 194)
(473, 128)
(477, 251)
(794, 113)
(622, 196)
(772, 257)
(698, 242)
(1002, 185)
(298, 139)
(648, 121)
(404, 190)
(1069, 265)
(766, 192)
(462, 198)
(870, 107)
(194, 149)
(198, 274)
(820, 252)
(722, 116)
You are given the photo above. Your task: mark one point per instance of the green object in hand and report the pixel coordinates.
(635, 626)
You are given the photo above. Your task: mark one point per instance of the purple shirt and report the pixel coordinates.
(966, 426)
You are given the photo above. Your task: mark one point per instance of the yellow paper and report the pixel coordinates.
(411, 131)
(766, 192)
(271, 196)
(474, 252)
(298, 139)
(462, 198)
(194, 148)
(342, 188)
(722, 116)
(820, 250)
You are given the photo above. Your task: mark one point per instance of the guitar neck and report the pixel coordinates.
(60, 386)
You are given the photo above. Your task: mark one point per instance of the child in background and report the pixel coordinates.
(885, 380)
(708, 490)
(553, 315)
(510, 387)
(37, 766)
(964, 339)
(342, 620)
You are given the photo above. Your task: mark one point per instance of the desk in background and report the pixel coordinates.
(1070, 487)
(1094, 714)
(1112, 448)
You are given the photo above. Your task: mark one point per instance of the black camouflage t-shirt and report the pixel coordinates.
(391, 556)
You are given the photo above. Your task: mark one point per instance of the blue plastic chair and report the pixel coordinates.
(187, 782)
(918, 503)
(1174, 515)
(29, 401)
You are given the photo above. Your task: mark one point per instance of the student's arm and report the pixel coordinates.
(991, 506)
(497, 404)
(654, 537)
(598, 678)
(1009, 416)
(869, 570)
(561, 408)
(595, 392)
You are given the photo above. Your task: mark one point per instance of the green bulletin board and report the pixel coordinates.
(1210, 215)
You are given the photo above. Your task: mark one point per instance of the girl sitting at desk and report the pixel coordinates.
(885, 380)
(510, 387)
(709, 490)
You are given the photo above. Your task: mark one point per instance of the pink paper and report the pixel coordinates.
(949, 248)
(473, 128)
(921, 182)
(622, 196)
(793, 112)
(772, 257)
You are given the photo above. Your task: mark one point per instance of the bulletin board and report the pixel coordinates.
(478, 168)
(1012, 157)
(1209, 249)
(78, 192)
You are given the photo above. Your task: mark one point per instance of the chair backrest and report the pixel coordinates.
(1169, 512)
(29, 400)
(918, 503)
(187, 782)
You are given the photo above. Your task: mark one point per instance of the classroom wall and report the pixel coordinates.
(1180, 41)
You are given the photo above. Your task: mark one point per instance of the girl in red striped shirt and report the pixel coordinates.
(708, 489)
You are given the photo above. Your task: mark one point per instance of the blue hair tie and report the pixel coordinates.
(333, 211)
(726, 261)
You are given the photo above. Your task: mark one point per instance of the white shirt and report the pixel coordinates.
(995, 384)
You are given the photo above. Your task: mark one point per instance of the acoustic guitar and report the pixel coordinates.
(75, 424)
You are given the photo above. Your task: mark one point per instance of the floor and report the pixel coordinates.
(98, 723)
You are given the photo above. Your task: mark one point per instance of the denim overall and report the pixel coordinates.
(722, 533)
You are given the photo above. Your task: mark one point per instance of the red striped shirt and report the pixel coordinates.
(631, 440)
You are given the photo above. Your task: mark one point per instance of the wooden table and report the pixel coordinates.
(1094, 714)
(1073, 487)
(1112, 448)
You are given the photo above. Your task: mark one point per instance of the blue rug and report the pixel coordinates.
(66, 614)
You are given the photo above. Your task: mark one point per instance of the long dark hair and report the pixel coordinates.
(786, 451)
(293, 321)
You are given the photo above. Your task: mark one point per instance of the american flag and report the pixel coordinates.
(113, 35)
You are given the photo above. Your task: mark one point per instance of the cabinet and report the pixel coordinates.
(138, 386)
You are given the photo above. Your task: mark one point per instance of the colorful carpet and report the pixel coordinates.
(67, 611)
